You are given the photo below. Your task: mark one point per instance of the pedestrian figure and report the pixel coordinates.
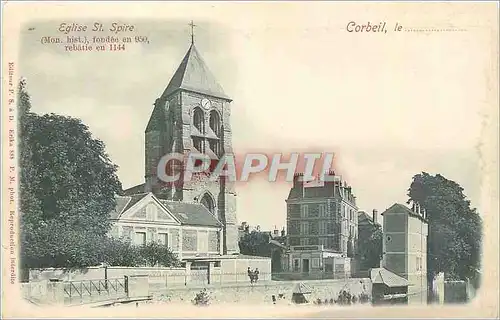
(250, 275)
(256, 274)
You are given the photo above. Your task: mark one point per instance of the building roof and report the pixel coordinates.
(194, 75)
(321, 190)
(121, 203)
(134, 190)
(365, 219)
(302, 288)
(193, 214)
(401, 208)
(390, 279)
(157, 120)
(276, 243)
(134, 199)
(364, 216)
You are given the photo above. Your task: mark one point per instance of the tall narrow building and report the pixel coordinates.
(405, 247)
(192, 115)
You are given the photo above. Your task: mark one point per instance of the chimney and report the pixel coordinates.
(297, 179)
(374, 215)
(276, 231)
(283, 232)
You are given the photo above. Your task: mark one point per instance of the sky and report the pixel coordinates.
(389, 106)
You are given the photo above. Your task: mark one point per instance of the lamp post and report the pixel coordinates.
(105, 265)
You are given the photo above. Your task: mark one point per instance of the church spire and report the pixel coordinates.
(194, 75)
(192, 25)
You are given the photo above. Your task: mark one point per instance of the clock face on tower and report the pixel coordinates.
(206, 104)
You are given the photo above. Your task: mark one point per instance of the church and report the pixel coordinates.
(196, 218)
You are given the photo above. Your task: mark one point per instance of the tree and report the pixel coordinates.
(67, 189)
(155, 254)
(255, 243)
(119, 252)
(369, 248)
(455, 229)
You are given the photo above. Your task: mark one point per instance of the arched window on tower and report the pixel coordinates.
(215, 127)
(215, 122)
(199, 120)
(208, 202)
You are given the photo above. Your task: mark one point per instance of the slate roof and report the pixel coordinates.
(194, 75)
(134, 190)
(364, 218)
(193, 214)
(134, 199)
(121, 203)
(276, 243)
(390, 279)
(401, 208)
(157, 120)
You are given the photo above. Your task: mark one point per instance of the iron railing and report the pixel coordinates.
(94, 290)
(198, 278)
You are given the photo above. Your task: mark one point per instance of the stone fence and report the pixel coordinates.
(261, 293)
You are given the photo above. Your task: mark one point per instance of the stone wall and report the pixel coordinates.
(229, 271)
(262, 293)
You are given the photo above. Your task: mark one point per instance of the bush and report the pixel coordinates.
(119, 252)
(202, 298)
(157, 254)
(344, 298)
(364, 298)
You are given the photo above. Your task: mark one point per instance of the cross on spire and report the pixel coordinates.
(192, 25)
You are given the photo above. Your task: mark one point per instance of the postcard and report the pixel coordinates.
(250, 159)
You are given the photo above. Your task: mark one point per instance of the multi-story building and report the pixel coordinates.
(367, 257)
(321, 223)
(405, 247)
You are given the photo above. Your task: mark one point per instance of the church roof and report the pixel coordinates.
(157, 119)
(194, 75)
(193, 214)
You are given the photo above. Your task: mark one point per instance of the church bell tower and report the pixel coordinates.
(193, 115)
